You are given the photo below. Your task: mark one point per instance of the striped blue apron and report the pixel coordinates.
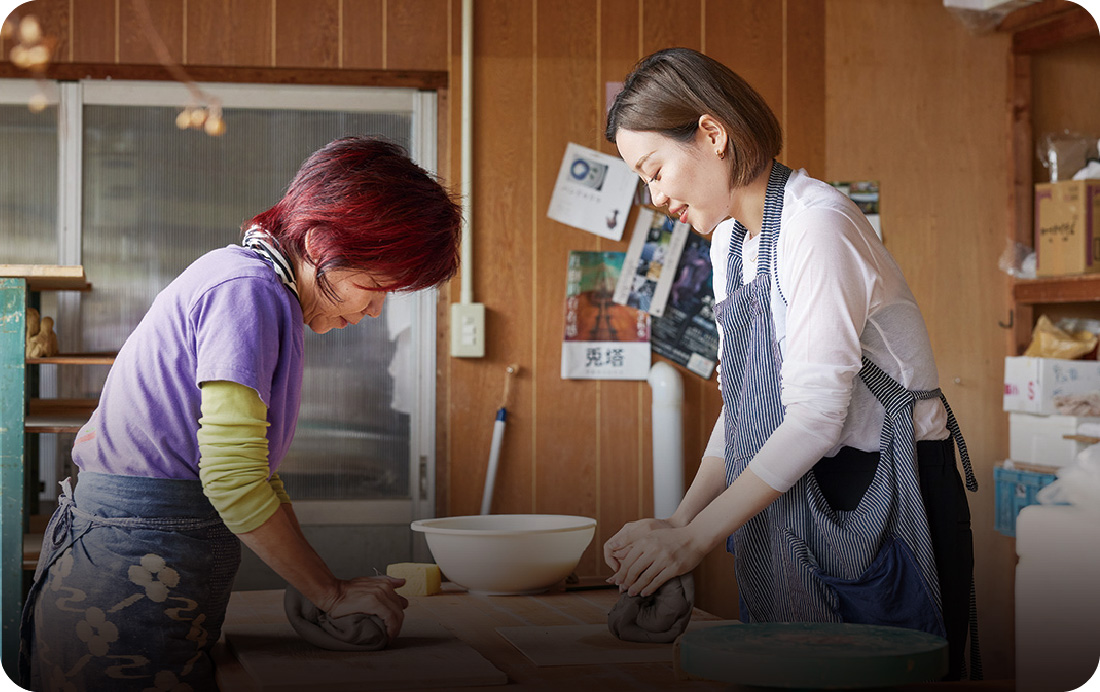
(800, 560)
(131, 588)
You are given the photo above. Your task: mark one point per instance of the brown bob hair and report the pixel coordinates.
(668, 91)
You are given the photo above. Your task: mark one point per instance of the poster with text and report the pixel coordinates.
(687, 333)
(603, 340)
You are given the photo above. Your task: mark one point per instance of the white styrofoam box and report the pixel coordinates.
(1037, 439)
(1057, 607)
(1032, 383)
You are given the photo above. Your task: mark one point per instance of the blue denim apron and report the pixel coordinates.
(131, 588)
(800, 560)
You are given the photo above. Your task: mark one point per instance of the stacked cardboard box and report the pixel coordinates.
(1067, 227)
(1041, 437)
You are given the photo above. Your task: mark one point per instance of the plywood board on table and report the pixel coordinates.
(571, 645)
(426, 655)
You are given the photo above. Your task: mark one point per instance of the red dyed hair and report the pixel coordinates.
(370, 208)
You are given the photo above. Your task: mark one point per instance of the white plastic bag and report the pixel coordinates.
(1077, 484)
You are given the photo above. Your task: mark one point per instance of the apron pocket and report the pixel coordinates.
(890, 592)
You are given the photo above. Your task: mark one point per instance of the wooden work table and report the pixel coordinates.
(553, 627)
(576, 615)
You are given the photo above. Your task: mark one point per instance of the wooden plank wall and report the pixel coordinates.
(539, 74)
(349, 34)
(896, 91)
(538, 84)
(920, 105)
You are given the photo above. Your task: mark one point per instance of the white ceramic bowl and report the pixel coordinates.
(507, 554)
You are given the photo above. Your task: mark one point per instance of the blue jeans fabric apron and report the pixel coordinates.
(799, 559)
(131, 588)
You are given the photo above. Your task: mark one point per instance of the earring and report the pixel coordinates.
(720, 153)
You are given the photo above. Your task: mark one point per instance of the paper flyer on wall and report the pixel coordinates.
(603, 340)
(865, 194)
(651, 259)
(593, 192)
(687, 334)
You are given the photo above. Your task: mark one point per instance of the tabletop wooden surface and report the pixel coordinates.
(563, 625)
(475, 619)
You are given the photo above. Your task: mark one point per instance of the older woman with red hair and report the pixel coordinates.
(177, 463)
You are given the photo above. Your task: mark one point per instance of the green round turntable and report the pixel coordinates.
(813, 655)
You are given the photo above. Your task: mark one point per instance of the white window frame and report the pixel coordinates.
(71, 97)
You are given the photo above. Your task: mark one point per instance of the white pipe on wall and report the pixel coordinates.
(668, 439)
(465, 138)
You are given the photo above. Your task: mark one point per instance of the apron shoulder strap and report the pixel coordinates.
(899, 401)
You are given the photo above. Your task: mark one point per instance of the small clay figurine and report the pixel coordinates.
(33, 323)
(41, 339)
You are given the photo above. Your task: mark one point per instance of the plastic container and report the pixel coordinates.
(1016, 488)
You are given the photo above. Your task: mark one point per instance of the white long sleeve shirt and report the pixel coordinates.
(845, 297)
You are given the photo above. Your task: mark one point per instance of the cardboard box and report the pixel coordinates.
(1067, 227)
(1038, 439)
(1031, 384)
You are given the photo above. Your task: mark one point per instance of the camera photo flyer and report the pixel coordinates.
(603, 340)
(593, 192)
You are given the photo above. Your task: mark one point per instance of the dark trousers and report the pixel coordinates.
(843, 480)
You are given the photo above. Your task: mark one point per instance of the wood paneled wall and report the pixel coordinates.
(919, 105)
(924, 117)
(895, 91)
(343, 34)
(539, 83)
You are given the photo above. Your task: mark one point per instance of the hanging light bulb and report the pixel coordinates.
(198, 117)
(215, 124)
(33, 49)
(183, 120)
(30, 31)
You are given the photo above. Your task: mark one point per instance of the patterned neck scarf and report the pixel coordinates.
(267, 247)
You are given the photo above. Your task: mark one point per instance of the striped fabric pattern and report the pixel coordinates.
(267, 247)
(782, 551)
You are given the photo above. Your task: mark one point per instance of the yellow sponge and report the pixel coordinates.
(421, 578)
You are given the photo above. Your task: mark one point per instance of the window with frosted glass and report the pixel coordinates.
(28, 185)
(155, 198)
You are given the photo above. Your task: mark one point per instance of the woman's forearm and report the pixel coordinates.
(747, 496)
(279, 542)
(708, 484)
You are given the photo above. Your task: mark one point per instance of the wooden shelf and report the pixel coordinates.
(32, 548)
(1079, 288)
(58, 415)
(48, 277)
(75, 359)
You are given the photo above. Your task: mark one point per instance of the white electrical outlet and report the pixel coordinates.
(467, 330)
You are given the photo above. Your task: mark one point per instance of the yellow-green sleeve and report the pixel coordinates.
(279, 488)
(233, 464)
